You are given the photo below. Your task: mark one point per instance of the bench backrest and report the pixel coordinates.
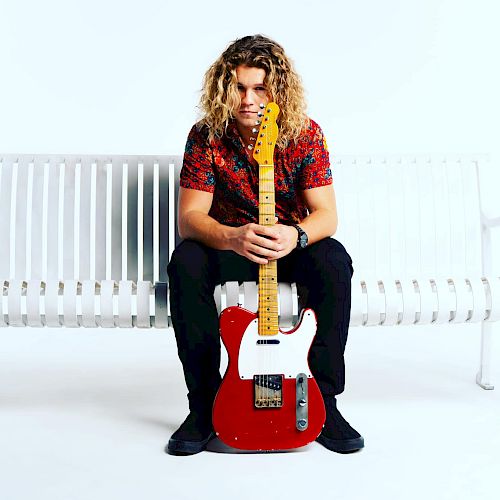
(409, 217)
(87, 217)
(101, 217)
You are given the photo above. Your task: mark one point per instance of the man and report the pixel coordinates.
(218, 214)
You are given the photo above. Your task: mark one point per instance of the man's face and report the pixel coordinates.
(253, 92)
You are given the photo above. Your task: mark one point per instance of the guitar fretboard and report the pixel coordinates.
(268, 276)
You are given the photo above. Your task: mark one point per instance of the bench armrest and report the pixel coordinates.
(491, 222)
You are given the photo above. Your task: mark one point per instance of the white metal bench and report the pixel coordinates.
(86, 242)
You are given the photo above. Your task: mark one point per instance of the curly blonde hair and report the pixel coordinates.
(220, 97)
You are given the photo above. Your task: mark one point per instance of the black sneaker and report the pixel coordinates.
(337, 435)
(192, 436)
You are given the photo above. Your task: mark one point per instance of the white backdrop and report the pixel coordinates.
(86, 415)
(118, 76)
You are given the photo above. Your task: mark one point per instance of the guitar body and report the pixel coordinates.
(237, 419)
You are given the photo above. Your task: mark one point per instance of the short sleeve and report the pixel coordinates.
(315, 166)
(197, 170)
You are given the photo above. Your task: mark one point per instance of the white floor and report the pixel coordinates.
(85, 414)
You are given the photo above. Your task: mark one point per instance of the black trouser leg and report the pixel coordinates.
(195, 321)
(323, 271)
(194, 271)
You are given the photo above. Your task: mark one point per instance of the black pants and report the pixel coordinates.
(323, 274)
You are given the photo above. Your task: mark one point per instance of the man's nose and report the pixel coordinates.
(247, 97)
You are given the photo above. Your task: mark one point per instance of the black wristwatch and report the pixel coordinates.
(302, 238)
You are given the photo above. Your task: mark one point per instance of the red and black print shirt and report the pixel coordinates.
(223, 167)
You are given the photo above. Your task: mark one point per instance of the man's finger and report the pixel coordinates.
(261, 251)
(256, 258)
(266, 243)
(275, 255)
(266, 231)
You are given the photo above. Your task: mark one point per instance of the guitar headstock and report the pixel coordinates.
(267, 135)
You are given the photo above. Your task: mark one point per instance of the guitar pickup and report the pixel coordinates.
(268, 391)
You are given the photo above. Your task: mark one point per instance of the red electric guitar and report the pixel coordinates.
(268, 399)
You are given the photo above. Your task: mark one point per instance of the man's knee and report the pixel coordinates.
(330, 256)
(189, 261)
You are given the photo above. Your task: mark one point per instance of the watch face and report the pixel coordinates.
(303, 240)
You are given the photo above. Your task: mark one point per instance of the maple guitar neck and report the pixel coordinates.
(268, 276)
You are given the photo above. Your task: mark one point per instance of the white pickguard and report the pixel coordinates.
(287, 358)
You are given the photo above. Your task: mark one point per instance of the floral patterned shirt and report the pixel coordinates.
(223, 167)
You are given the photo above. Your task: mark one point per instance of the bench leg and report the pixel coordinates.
(483, 375)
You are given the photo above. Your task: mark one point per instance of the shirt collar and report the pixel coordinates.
(234, 135)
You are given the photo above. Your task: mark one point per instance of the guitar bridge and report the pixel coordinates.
(268, 391)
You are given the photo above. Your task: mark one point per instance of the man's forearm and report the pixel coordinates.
(201, 227)
(319, 224)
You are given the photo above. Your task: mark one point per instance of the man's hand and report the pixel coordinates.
(286, 237)
(261, 244)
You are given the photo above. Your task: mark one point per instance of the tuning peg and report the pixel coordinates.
(255, 130)
(250, 146)
(262, 105)
(259, 114)
(257, 122)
